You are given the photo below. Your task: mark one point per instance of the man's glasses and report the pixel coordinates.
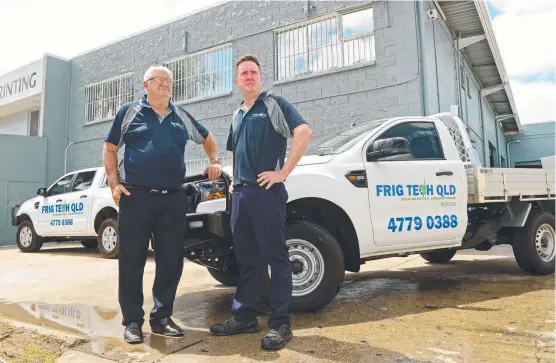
(160, 80)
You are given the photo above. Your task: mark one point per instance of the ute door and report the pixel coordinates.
(79, 203)
(52, 205)
(415, 193)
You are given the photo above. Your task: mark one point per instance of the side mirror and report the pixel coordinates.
(387, 147)
(41, 192)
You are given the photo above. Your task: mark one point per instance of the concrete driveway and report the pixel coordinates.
(480, 307)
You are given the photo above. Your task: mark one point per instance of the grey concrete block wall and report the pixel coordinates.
(331, 101)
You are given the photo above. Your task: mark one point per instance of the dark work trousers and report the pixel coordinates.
(142, 215)
(259, 233)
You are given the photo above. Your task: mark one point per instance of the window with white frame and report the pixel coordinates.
(202, 74)
(325, 43)
(104, 99)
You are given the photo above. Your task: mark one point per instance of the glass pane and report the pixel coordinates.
(62, 186)
(357, 22)
(83, 180)
(341, 140)
(423, 139)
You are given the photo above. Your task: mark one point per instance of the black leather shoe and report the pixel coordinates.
(277, 339)
(133, 333)
(165, 327)
(233, 327)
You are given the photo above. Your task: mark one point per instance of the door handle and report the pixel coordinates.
(83, 196)
(59, 200)
(442, 173)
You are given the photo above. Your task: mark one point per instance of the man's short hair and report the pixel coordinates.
(247, 58)
(149, 72)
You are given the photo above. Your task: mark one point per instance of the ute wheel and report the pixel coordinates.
(27, 239)
(317, 267)
(228, 278)
(108, 238)
(90, 243)
(439, 256)
(533, 244)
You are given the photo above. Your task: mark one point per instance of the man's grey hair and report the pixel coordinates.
(149, 72)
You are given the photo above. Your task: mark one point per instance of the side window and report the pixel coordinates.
(83, 181)
(62, 186)
(422, 137)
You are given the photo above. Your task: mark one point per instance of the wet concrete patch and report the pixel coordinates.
(102, 329)
(154, 347)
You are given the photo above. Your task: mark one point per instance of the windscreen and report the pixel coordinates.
(342, 140)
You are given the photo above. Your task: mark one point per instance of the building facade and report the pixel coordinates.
(536, 141)
(338, 62)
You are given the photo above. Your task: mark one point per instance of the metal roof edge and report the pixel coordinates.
(491, 39)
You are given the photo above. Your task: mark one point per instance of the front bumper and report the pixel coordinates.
(15, 209)
(208, 225)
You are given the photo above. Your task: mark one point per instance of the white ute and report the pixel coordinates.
(78, 206)
(390, 188)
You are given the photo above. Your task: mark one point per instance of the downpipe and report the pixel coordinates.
(422, 68)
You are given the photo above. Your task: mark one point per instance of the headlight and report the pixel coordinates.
(211, 189)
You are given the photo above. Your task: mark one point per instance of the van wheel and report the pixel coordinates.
(439, 256)
(108, 238)
(90, 243)
(533, 244)
(317, 263)
(227, 278)
(27, 239)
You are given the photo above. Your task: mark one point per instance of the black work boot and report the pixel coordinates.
(232, 327)
(165, 327)
(133, 333)
(277, 339)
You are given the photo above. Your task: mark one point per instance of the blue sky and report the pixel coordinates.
(524, 29)
(494, 12)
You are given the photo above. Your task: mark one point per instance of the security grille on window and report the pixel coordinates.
(104, 99)
(203, 74)
(326, 43)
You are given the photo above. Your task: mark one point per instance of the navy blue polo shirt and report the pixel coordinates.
(258, 138)
(154, 146)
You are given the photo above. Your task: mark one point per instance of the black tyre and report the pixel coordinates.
(317, 266)
(439, 256)
(533, 244)
(108, 238)
(228, 278)
(90, 243)
(27, 239)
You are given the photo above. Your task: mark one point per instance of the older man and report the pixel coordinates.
(258, 140)
(147, 188)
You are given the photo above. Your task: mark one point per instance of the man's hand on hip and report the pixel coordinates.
(117, 192)
(214, 170)
(271, 177)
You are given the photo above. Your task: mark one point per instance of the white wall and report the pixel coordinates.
(15, 124)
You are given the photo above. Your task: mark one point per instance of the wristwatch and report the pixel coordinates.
(215, 161)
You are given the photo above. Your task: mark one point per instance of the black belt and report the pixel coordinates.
(245, 185)
(152, 191)
(250, 185)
